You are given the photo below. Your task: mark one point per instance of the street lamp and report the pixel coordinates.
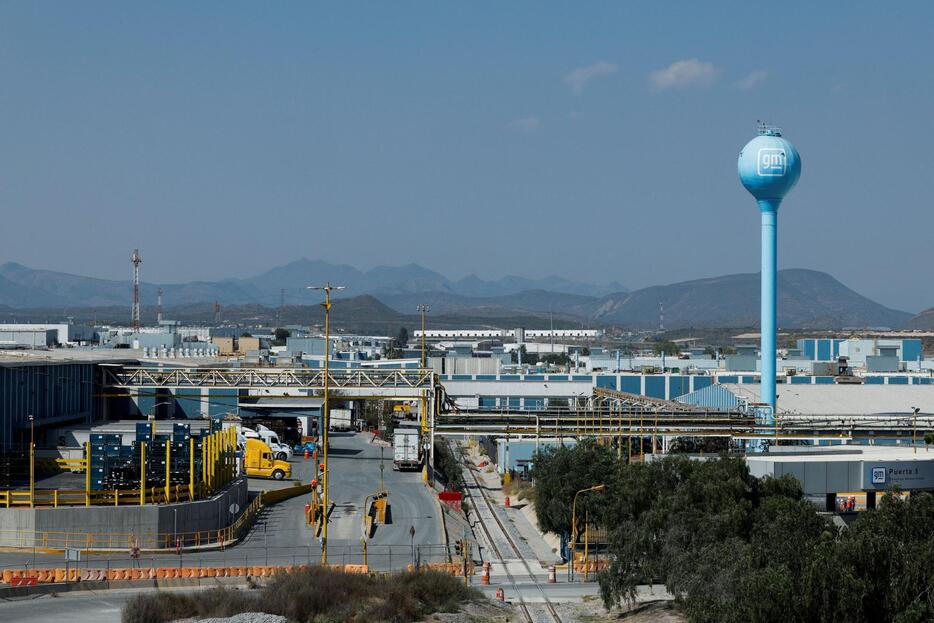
(327, 287)
(914, 429)
(32, 459)
(600, 487)
(423, 309)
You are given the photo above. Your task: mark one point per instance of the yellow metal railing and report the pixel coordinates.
(58, 464)
(76, 497)
(218, 469)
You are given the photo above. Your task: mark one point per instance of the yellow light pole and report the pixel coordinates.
(423, 309)
(599, 487)
(325, 413)
(32, 460)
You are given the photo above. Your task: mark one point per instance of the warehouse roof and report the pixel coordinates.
(95, 355)
(844, 399)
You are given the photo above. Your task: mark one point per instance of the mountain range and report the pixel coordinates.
(21, 286)
(807, 298)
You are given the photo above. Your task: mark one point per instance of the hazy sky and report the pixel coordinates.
(592, 140)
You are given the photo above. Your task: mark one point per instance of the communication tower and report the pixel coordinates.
(136, 260)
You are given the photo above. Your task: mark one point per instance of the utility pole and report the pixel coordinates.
(281, 305)
(134, 314)
(551, 315)
(423, 309)
(324, 412)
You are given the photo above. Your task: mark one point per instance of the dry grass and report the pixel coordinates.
(519, 490)
(315, 595)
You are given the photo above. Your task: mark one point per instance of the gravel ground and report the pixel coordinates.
(592, 611)
(245, 617)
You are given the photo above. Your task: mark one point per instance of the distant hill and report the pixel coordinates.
(537, 302)
(510, 284)
(360, 314)
(21, 286)
(923, 321)
(806, 299)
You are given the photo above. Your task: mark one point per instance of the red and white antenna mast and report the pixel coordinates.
(137, 260)
(159, 305)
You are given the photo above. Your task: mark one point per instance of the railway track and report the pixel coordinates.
(503, 546)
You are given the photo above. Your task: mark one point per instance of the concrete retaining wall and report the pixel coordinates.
(19, 526)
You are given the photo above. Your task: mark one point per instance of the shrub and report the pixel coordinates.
(312, 595)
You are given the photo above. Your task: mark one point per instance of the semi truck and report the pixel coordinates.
(258, 462)
(279, 450)
(406, 448)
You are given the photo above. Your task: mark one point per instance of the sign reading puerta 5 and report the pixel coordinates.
(769, 167)
(906, 475)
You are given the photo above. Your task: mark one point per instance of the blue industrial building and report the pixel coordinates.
(59, 393)
(858, 349)
(52, 392)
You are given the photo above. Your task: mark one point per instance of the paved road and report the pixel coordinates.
(281, 537)
(79, 607)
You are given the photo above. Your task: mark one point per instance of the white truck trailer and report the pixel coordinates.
(406, 448)
(340, 419)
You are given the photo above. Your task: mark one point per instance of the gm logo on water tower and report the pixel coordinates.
(771, 162)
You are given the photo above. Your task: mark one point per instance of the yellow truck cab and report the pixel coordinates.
(258, 462)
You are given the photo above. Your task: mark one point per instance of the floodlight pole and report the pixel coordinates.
(325, 413)
(423, 309)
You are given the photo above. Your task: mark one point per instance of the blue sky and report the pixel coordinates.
(596, 141)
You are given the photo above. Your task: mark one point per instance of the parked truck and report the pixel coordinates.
(279, 450)
(258, 462)
(282, 451)
(340, 419)
(406, 448)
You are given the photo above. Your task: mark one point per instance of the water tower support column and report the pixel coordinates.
(769, 211)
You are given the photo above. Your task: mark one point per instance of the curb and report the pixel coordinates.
(10, 592)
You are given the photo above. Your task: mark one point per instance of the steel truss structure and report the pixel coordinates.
(604, 413)
(415, 383)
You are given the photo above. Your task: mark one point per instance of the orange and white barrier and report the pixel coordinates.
(17, 577)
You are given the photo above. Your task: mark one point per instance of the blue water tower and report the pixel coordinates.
(769, 166)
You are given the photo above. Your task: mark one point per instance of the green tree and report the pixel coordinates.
(698, 445)
(665, 346)
(881, 568)
(557, 359)
(280, 336)
(527, 357)
(559, 472)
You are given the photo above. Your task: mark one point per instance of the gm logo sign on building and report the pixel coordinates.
(770, 162)
(878, 475)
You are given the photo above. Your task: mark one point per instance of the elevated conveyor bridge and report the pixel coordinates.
(604, 413)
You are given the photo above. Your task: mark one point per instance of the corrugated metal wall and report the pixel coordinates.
(55, 392)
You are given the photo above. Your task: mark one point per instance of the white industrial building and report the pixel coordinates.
(27, 331)
(519, 335)
(828, 472)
